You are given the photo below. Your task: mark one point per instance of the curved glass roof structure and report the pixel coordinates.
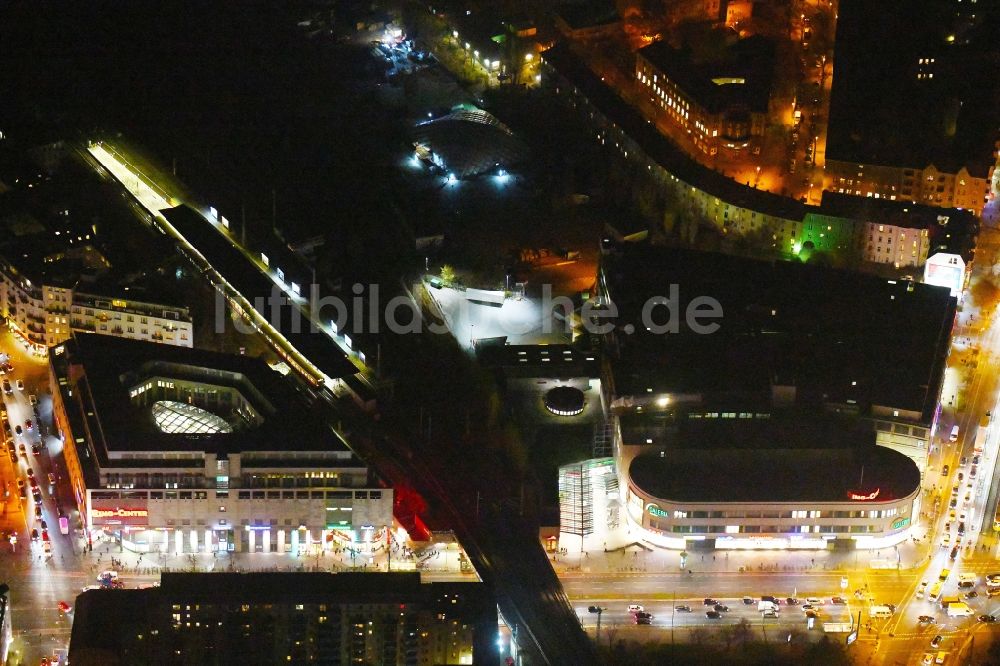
(470, 142)
(181, 418)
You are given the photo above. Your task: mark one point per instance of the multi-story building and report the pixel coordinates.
(178, 450)
(273, 618)
(918, 123)
(44, 299)
(928, 185)
(751, 482)
(722, 102)
(782, 226)
(813, 369)
(870, 348)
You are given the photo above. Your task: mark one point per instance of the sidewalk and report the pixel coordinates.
(625, 556)
(430, 561)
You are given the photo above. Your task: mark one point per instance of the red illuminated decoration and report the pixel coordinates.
(119, 513)
(862, 497)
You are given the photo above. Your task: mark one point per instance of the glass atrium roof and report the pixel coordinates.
(181, 418)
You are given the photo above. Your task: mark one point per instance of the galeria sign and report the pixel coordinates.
(862, 497)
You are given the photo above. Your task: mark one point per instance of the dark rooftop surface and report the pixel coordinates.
(660, 149)
(107, 622)
(837, 336)
(886, 211)
(750, 59)
(882, 113)
(113, 365)
(589, 14)
(789, 466)
(234, 266)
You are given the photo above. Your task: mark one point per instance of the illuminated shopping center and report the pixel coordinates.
(180, 450)
(750, 482)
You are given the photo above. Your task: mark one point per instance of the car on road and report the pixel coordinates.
(644, 615)
(945, 540)
(593, 609)
(951, 514)
(961, 529)
(814, 600)
(709, 601)
(953, 503)
(971, 594)
(749, 601)
(32, 480)
(769, 613)
(52, 479)
(635, 608)
(808, 607)
(63, 607)
(926, 619)
(28, 425)
(20, 482)
(682, 609)
(34, 535)
(812, 613)
(840, 601)
(38, 512)
(961, 477)
(33, 399)
(928, 659)
(20, 384)
(989, 619)
(45, 534)
(6, 387)
(721, 608)
(963, 461)
(36, 449)
(713, 615)
(972, 472)
(975, 460)
(18, 430)
(44, 525)
(643, 620)
(953, 554)
(945, 470)
(24, 452)
(936, 641)
(37, 497)
(792, 601)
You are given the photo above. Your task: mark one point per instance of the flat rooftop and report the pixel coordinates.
(749, 60)
(109, 625)
(836, 336)
(884, 107)
(775, 475)
(107, 368)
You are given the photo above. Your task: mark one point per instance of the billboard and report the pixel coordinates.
(945, 270)
(132, 513)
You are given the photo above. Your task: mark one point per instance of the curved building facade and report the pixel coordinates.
(741, 499)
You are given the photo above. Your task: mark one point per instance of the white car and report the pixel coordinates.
(814, 600)
(946, 540)
(632, 608)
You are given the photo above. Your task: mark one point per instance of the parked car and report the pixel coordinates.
(840, 601)
(936, 641)
(988, 618)
(926, 619)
